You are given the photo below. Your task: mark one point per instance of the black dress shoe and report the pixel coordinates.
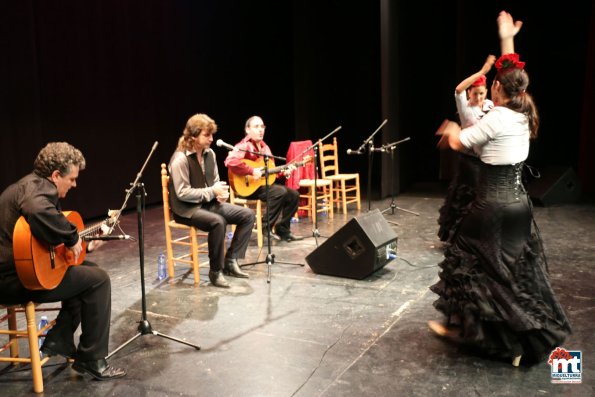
(275, 236)
(289, 237)
(218, 280)
(232, 268)
(52, 348)
(99, 369)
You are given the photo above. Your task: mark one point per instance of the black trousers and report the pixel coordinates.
(85, 292)
(282, 203)
(213, 217)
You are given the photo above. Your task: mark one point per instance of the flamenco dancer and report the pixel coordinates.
(494, 288)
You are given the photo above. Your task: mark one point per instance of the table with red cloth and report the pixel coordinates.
(296, 152)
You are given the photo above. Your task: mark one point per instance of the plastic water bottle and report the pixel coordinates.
(294, 219)
(229, 236)
(161, 268)
(391, 254)
(391, 251)
(42, 323)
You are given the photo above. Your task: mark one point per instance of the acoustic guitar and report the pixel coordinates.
(41, 266)
(245, 185)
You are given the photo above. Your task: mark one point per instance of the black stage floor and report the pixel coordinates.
(305, 334)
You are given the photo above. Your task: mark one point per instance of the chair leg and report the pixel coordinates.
(195, 262)
(259, 237)
(314, 204)
(170, 253)
(357, 193)
(344, 196)
(34, 348)
(331, 206)
(12, 325)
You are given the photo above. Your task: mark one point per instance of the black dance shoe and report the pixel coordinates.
(218, 280)
(232, 268)
(99, 369)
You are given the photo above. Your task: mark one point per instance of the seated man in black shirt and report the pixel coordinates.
(85, 290)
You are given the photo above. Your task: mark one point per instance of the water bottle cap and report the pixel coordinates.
(44, 317)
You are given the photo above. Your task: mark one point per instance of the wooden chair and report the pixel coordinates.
(189, 240)
(324, 196)
(345, 186)
(256, 205)
(32, 334)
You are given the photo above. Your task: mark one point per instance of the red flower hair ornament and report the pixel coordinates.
(507, 61)
(480, 81)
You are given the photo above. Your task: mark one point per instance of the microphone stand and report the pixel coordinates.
(270, 258)
(369, 142)
(315, 231)
(144, 327)
(390, 147)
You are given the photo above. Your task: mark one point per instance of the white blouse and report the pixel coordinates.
(500, 137)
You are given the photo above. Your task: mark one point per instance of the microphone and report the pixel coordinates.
(349, 151)
(220, 143)
(105, 238)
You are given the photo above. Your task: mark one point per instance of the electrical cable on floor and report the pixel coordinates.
(320, 362)
(412, 265)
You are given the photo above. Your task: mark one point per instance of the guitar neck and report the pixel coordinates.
(280, 168)
(95, 229)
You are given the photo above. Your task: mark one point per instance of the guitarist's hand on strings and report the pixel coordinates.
(257, 173)
(94, 244)
(77, 249)
(289, 171)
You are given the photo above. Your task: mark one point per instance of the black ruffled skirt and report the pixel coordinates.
(494, 284)
(460, 194)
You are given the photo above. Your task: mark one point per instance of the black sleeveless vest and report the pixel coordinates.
(198, 179)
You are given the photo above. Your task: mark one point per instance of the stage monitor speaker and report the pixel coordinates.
(365, 244)
(557, 185)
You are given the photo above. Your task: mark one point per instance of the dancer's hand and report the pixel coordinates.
(507, 27)
(445, 131)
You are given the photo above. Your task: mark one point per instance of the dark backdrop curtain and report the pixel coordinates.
(112, 77)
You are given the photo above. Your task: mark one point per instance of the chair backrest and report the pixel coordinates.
(165, 193)
(329, 158)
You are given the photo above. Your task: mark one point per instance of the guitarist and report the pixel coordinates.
(282, 201)
(85, 290)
